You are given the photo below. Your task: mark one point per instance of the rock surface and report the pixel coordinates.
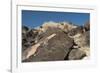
(76, 54)
(71, 42)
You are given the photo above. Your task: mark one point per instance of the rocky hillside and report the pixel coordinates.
(55, 42)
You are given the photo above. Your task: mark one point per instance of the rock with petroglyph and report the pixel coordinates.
(54, 41)
(53, 49)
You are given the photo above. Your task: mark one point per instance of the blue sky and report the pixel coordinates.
(36, 18)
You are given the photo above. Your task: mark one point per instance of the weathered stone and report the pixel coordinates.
(83, 39)
(55, 48)
(75, 31)
(87, 26)
(70, 43)
(76, 54)
(28, 37)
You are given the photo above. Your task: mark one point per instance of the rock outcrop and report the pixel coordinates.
(55, 41)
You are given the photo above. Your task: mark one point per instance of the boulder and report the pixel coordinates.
(71, 42)
(76, 54)
(55, 49)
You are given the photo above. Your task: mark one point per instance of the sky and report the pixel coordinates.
(33, 19)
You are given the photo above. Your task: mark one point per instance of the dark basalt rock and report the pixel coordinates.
(55, 48)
